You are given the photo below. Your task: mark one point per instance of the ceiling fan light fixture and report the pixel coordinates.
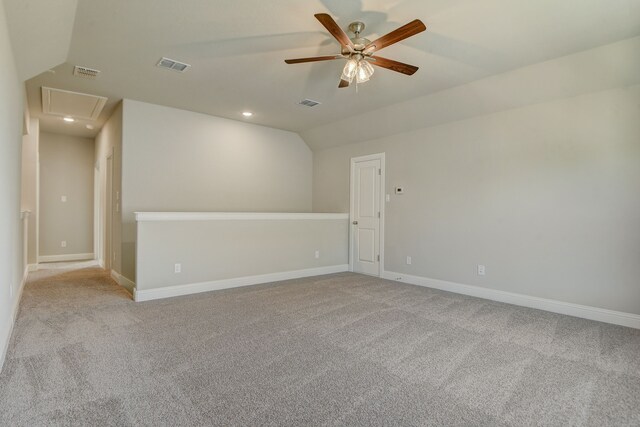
(358, 50)
(365, 71)
(349, 70)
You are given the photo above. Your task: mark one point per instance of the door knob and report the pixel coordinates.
(355, 222)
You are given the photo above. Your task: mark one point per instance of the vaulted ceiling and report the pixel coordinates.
(236, 49)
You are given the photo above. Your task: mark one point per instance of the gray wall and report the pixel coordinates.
(546, 196)
(211, 250)
(11, 268)
(176, 160)
(66, 169)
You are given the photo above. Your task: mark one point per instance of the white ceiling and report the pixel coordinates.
(237, 47)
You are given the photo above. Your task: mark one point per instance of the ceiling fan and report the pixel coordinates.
(360, 51)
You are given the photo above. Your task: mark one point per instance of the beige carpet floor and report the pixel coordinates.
(341, 349)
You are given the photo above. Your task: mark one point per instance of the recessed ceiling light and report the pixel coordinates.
(69, 119)
(89, 126)
(247, 113)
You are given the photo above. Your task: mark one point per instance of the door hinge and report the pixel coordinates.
(378, 258)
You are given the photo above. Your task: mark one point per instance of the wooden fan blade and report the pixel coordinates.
(334, 29)
(343, 83)
(312, 59)
(411, 29)
(390, 64)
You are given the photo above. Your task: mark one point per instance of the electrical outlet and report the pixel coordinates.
(481, 270)
(408, 260)
(177, 268)
(317, 254)
(63, 198)
(63, 244)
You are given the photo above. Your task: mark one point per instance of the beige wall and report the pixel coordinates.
(29, 194)
(66, 169)
(211, 250)
(546, 196)
(11, 103)
(109, 143)
(176, 160)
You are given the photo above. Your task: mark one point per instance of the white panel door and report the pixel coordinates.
(365, 216)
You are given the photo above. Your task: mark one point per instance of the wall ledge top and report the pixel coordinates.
(233, 216)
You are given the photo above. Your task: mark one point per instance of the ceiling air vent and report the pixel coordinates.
(309, 103)
(172, 64)
(87, 73)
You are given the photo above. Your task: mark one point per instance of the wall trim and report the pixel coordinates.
(586, 312)
(32, 267)
(66, 257)
(127, 284)
(214, 285)
(5, 337)
(210, 216)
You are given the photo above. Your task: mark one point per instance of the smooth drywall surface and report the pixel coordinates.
(176, 160)
(547, 197)
(108, 144)
(210, 250)
(66, 194)
(11, 268)
(40, 32)
(606, 67)
(29, 198)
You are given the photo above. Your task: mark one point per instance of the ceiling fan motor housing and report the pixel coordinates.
(359, 43)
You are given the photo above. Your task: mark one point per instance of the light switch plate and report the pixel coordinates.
(481, 270)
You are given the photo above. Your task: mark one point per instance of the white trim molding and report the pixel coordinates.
(586, 312)
(129, 285)
(215, 285)
(5, 336)
(32, 267)
(230, 216)
(66, 257)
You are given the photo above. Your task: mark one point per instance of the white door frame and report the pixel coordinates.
(108, 210)
(354, 160)
(97, 208)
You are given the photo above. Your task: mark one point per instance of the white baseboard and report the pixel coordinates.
(215, 285)
(5, 335)
(32, 267)
(67, 257)
(586, 312)
(123, 281)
